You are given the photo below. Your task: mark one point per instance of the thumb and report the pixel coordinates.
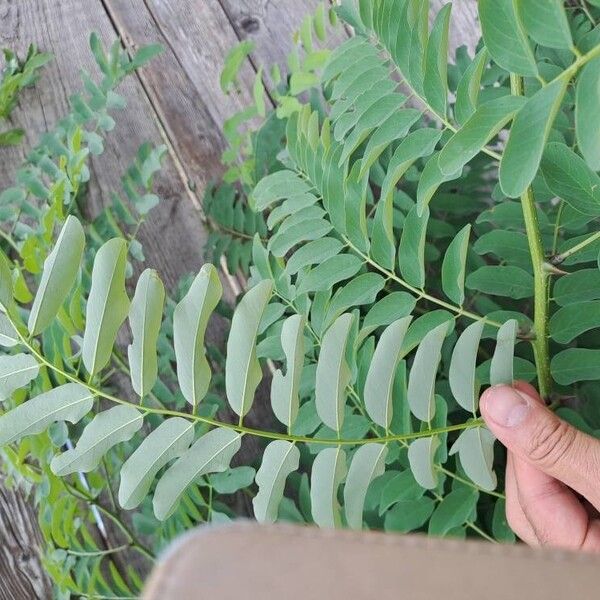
(532, 432)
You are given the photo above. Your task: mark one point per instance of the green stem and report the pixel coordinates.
(420, 294)
(540, 276)
(560, 258)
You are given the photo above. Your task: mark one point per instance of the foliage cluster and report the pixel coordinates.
(411, 229)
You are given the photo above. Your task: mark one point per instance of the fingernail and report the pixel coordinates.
(505, 406)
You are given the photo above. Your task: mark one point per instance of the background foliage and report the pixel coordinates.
(410, 230)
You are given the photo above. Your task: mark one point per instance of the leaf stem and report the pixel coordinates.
(540, 275)
(557, 259)
(421, 295)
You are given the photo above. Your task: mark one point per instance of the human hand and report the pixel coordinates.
(552, 470)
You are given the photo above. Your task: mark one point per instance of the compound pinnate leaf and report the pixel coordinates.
(421, 383)
(454, 266)
(328, 471)
(284, 388)
(107, 429)
(527, 138)
(420, 458)
(505, 37)
(107, 305)
(501, 369)
(333, 373)
(190, 320)
(242, 369)
(379, 383)
(279, 460)
(59, 274)
(212, 453)
(69, 402)
(475, 447)
(461, 378)
(367, 464)
(16, 371)
(145, 317)
(167, 442)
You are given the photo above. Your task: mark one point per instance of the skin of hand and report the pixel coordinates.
(552, 472)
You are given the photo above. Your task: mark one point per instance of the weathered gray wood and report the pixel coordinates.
(22, 576)
(173, 235)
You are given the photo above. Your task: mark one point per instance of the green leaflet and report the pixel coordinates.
(279, 460)
(242, 369)
(500, 527)
(421, 383)
(367, 464)
(430, 181)
(574, 365)
(329, 272)
(69, 402)
(454, 509)
(483, 125)
(571, 321)
(569, 177)
(233, 63)
(467, 93)
(333, 373)
(546, 22)
(411, 251)
(328, 471)
(509, 281)
(16, 371)
(212, 453)
(509, 246)
(415, 145)
(395, 127)
(462, 380)
(505, 38)
(363, 289)
(435, 79)
(145, 317)
(277, 186)
(190, 320)
(587, 110)
(285, 239)
(501, 369)
(420, 459)
(284, 388)
(60, 271)
(107, 305)
(579, 286)
(232, 480)
(528, 136)
(167, 442)
(312, 253)
(400, 487)
(8, 334)
(408, 515)
(6, 284)
(387, 310)
(423, 325)
(475, 447)
(454, 266)
(382, 370)
(107, 429)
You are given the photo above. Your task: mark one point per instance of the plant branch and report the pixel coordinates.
(557, 259)
(540, 277)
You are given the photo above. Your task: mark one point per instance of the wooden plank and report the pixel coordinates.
(21, 573)
(173, 236)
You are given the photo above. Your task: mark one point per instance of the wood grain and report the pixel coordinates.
(22, 576)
